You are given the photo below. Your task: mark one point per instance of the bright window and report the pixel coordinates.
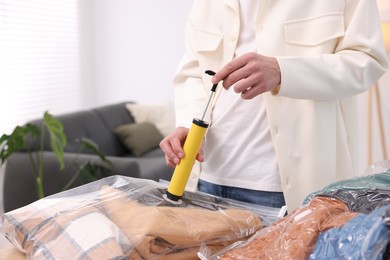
(39, 60)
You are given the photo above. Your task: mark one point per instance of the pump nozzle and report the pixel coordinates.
(212, 73)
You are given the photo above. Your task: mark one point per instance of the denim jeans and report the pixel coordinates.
(265, 198)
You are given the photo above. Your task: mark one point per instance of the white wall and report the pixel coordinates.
(136, 47)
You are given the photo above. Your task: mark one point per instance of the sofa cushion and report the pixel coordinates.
(95, 124)
(161, 115)
(87, 124)
(112, 117)
(139, 138)
(18, 193)
(77, 125)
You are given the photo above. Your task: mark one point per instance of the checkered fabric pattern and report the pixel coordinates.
(47, 232)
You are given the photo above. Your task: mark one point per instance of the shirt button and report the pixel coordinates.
(233, 38)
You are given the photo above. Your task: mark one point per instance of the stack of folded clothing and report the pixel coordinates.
(294, 236)
(345, 220)
(122, 217)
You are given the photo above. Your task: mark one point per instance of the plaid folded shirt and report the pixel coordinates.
(109, 224)
(55, 230)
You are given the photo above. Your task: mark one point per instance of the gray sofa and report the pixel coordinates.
(96, 124)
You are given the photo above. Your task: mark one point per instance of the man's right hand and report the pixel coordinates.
(172, 146)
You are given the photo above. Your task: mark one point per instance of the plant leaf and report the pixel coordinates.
(88, 172)
(57, 137)
(15, 141)
(92, 146)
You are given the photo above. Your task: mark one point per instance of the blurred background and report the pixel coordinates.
(67, 55)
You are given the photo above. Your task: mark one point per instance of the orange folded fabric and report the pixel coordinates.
(165, 232)
(12, 254)
(294, 236)
(106, 224)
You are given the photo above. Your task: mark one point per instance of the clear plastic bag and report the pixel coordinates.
(292, 237)
(378, 167)
(361, 200)
(122, 217)
(379, 180)
(363, 237)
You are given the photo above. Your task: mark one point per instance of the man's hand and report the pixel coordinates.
(252, 74)
(172, 146)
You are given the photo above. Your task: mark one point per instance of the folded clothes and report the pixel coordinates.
(363, 237)
(59, 229)
(121, 217)
(169, 232)
(294, 236)
(372, 181)
(361, 200)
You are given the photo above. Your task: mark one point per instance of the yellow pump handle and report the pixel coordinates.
(183, 169)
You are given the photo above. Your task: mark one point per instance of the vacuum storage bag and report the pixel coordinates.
(121, 217)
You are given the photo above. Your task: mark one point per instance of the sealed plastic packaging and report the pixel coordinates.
(121, 217)
(363, 237)
(378, 167)
(292, 237)
(373, 181)
(345, 220)
(361, 200)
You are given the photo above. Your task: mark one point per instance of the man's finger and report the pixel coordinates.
(228, 69)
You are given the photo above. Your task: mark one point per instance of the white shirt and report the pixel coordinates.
(313, 119)
(244, 157)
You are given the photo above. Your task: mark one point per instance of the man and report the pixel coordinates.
(284, 122)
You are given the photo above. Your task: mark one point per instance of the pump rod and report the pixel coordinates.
(213, 88)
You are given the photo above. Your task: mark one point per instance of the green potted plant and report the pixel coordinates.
(20, 137)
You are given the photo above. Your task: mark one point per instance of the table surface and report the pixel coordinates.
(4, 243)
(8, 251)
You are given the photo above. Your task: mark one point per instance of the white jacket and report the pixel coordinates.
(328, 51)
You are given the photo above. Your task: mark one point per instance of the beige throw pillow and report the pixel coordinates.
(161, 115)
(139, 138)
